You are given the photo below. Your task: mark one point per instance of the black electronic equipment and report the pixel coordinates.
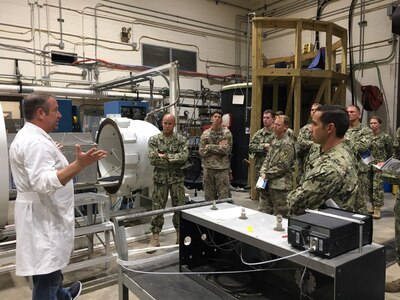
(329, 236)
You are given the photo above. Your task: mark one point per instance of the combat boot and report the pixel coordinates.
(370, 210)
(377, 213)
(177, 237)
(393, 286)
(154, 242)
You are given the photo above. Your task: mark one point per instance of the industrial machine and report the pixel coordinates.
(234, 253)
(65, 108)
(135, 110)
(239, 254)
(70, 116)
(126, 167)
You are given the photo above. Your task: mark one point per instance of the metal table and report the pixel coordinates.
(210, 236)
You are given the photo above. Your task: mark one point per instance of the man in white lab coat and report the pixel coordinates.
(44, 208)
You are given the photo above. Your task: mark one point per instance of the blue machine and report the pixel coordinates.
(65, 108)
(135, 110)
(70, 120)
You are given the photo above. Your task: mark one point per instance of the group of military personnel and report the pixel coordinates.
(333, 154)
(394, 286)
(168, 153)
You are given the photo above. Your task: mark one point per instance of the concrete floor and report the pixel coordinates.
(101, 284)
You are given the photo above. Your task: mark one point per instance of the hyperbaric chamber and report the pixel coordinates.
(127, 164)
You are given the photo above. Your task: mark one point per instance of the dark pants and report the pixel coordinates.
(49, 287)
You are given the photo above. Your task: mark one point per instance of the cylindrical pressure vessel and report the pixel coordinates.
(127, 163)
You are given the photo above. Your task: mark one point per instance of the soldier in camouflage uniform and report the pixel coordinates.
(168, 153)
(260, 143)
(330, 170)
(381, 149)
(394, 286)
(277, 170)
(290, 131)
(358, 139)
(304, 142)
(215, 149)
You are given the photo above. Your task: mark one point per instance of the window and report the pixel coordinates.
(154, 56)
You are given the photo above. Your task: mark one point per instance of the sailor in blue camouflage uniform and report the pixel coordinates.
(358, 138)
(330, 169)
(277, 170)
(381, 149)
(215, 149)
(394, 286)
(260, 143)
(168, 153)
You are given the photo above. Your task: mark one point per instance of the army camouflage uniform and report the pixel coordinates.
(358, 139)
(381, 148)
(291, 135)
(330, 174)
(167, 175)
(394, 286)
(278, 169)
(216, 163)
(257, 150)
(303, 145)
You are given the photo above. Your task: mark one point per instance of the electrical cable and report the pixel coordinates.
(213, 244)
(124, 265)
(239, 255)
(104, 63)
(271, 260)
(320, 8)
(301, 283)
(241, 285)
(351, 63)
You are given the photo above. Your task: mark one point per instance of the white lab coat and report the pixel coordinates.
(44, 208)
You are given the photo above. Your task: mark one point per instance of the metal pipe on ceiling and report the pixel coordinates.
(250, 17)
(61, 20)
(32, 11)
(165, 15)
(157, 71)
(278, 33)
(24, 89)
(239, 20)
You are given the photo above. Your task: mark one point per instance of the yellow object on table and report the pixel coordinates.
(395, 188)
